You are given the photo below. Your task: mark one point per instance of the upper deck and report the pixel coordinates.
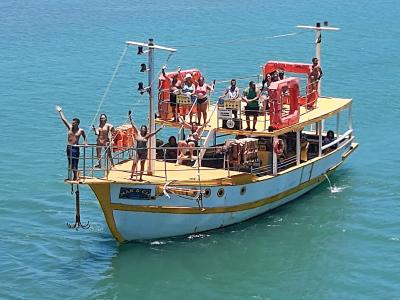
(325, 108)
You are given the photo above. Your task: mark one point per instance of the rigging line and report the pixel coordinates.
(108, 86)
(235, 41)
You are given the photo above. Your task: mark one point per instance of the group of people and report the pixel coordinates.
(104, 136)
(196, 90)
(257, 98)
(104, 133)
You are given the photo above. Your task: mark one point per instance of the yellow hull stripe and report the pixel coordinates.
(102, 192)
(216, 210)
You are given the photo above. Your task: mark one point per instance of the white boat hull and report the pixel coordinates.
(137, 219)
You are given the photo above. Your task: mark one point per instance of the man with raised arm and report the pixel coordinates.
(74, 133)
(104, 138)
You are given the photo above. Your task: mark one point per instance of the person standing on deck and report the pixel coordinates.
(315, 75)
(175, 85)
(189, 90)
(74, 134)
(202, 101)
(104, 138)
(251, 96)
(232, 93)
(141, 146)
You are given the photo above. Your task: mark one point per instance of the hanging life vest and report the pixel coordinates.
(279, 147)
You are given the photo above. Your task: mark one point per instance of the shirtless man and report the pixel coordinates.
(315, 75)
(104, 137)
(74, 134)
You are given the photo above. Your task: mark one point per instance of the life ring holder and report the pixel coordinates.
(279, 147)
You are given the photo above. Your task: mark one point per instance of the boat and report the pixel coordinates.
(234, 174)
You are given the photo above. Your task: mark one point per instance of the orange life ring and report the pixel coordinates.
(279, 147)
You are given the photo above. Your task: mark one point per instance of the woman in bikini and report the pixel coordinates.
(141, 147)
(202, 100)
(192, 140)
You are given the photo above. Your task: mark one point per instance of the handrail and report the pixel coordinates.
(338, 140)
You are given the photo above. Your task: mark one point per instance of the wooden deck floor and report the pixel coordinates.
(180, 173)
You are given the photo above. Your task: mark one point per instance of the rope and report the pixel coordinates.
(239, 40)
(108, 87)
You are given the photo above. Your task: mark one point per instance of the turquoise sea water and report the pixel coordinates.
(342, 245)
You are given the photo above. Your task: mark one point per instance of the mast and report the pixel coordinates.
(152, 90)
(152, 96)
(318, 32)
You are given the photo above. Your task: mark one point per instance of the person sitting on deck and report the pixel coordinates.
(74, 134)
(104, 136)
(171, 149)
(304, 146)
(330, 137)
(251, 96)
(192, 141)
(174, 87)
(142, 137)
(232, 93)
(315, 75)
(202, 100)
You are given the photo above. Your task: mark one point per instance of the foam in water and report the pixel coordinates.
(334, 189)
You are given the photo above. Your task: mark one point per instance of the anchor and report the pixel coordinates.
(77, 223)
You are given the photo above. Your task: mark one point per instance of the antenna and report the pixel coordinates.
(151, 89)
(318, 30)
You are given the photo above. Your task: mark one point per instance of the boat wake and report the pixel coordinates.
(197, 236)
(337, 189)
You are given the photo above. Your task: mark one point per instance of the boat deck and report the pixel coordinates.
(175, 172)
(326, 107)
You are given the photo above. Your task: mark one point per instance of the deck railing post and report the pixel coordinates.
(165, 164)
(274, 158)
(298, 147)
(106, 168)
(337, 124)
(319, 126)
(350, 121)
(84, 161)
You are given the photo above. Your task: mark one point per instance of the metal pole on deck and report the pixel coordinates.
(274, 158)
(319, 138)
(337, 124)
(318, 32)
(152, 89)
(152, 126)
(298, 147)
(350, 119)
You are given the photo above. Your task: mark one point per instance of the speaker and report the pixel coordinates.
(237, 124)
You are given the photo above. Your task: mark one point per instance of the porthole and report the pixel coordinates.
(242, 190)
(207, 193)
(220, 192)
